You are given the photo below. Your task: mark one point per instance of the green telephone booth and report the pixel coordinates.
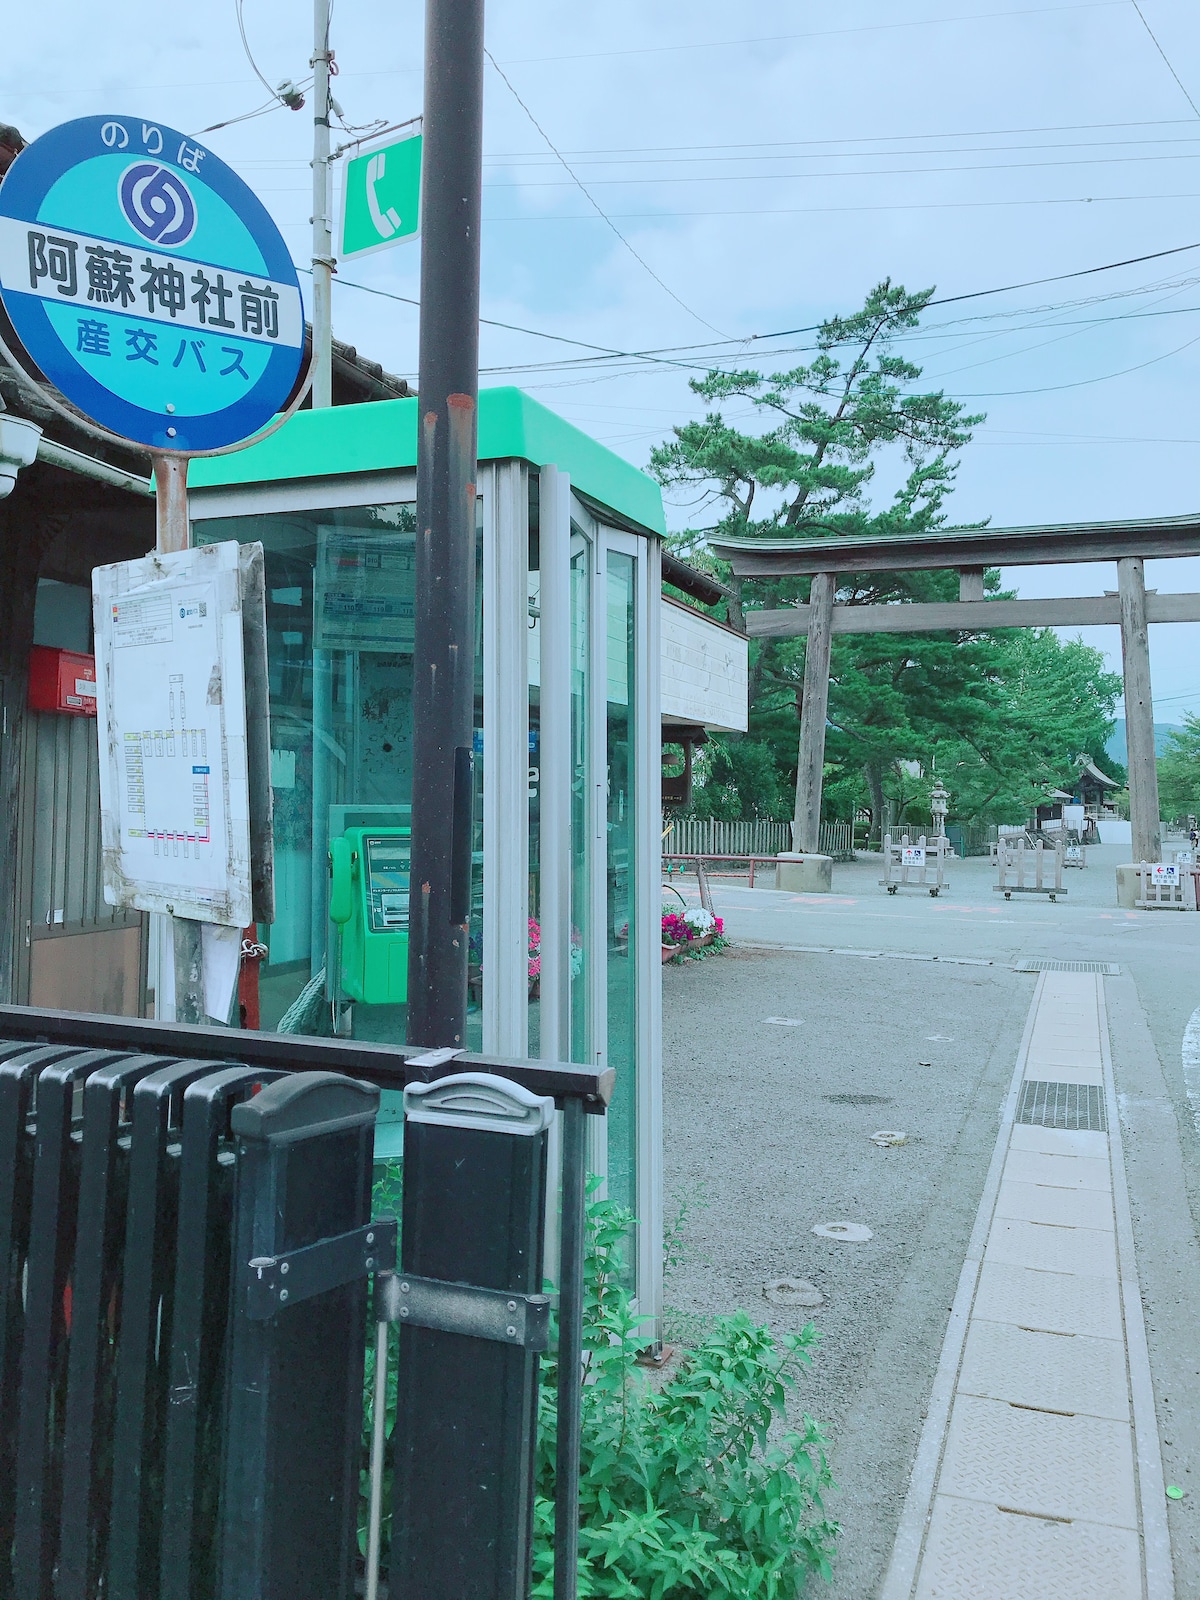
(565, 942)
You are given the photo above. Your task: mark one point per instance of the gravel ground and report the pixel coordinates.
(762, 1144)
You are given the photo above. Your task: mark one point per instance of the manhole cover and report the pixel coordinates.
(792, 1292)
(844, 1232)
(858, 1099)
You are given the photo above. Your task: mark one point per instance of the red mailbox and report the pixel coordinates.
(63, 681)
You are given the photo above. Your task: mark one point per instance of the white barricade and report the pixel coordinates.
(1166, 885)
(915, 865)
(1026, 868)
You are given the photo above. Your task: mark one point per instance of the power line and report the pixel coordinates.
(880, 138)
(662, 355)
(906, 205)
(1080, 383)
(1166, 58)
(241, 22)
(274, 104)
(537, 162)
(578, 181)
(824, 33)
(490, 322)
(771, 144)
(838, 177)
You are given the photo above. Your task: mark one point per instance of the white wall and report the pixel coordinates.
(704, 670)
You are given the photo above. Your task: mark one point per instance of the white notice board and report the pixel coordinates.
(171, 702)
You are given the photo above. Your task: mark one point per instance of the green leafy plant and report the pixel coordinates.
(693, 1487)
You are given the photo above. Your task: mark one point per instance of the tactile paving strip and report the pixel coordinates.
(978, 1552)
(1061, 1372)
(1035, 1495)
(1062, 1105)
(1061, 1206)
(1055, 1302)
(1046, 1247)
(1037, 1461)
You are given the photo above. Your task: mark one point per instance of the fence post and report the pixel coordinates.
(471, 1325)
(303, 1244)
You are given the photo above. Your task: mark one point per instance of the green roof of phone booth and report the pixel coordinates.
(381, 436)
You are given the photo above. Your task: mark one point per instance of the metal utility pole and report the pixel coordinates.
(322, 222)
(447, 452)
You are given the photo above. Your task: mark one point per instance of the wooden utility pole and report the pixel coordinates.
(1139, 711)
(806, 833)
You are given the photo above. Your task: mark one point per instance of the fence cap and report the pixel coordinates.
(303, 1105)
(481, 1101)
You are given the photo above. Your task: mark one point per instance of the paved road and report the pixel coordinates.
(749, 1125)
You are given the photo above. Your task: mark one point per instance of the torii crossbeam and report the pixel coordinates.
(971, 551)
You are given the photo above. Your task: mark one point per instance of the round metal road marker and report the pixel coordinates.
(844, 1232)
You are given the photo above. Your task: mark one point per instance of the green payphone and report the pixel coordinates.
(368, 899)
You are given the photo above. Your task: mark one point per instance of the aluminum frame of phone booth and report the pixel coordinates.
(565, 941)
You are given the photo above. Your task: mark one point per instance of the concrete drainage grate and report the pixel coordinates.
(1072, 1106)
(1107, 969)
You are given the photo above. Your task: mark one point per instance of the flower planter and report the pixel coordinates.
(671, 950)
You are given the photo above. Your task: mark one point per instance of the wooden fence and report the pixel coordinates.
(711, 838)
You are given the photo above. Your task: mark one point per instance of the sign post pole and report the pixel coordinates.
(173, 533)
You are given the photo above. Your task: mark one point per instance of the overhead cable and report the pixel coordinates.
(578, 181)
(1166, 58)
(823, 33)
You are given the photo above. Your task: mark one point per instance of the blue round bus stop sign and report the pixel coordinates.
(148, 283)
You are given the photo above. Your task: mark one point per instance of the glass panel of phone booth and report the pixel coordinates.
(339, 592)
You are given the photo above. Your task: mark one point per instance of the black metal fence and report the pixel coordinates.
(185, 1248)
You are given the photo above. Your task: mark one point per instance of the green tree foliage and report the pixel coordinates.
(1047, 702)
(1179, 770)
(1004, 714)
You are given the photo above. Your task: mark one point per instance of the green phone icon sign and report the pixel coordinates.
(381, 197)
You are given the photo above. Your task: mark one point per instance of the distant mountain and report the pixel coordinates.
(1119, 750)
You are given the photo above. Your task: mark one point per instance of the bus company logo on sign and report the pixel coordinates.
(158, 203)
(148, 283)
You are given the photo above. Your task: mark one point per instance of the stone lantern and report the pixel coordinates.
(939, 804)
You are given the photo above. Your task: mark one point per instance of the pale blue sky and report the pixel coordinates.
(768, 165)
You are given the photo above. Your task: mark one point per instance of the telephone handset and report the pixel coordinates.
(368, 904)
(386, 222)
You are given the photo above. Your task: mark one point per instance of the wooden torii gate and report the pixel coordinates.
(971, 551)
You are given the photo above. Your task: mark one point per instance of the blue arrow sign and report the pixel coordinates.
(148, 283)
